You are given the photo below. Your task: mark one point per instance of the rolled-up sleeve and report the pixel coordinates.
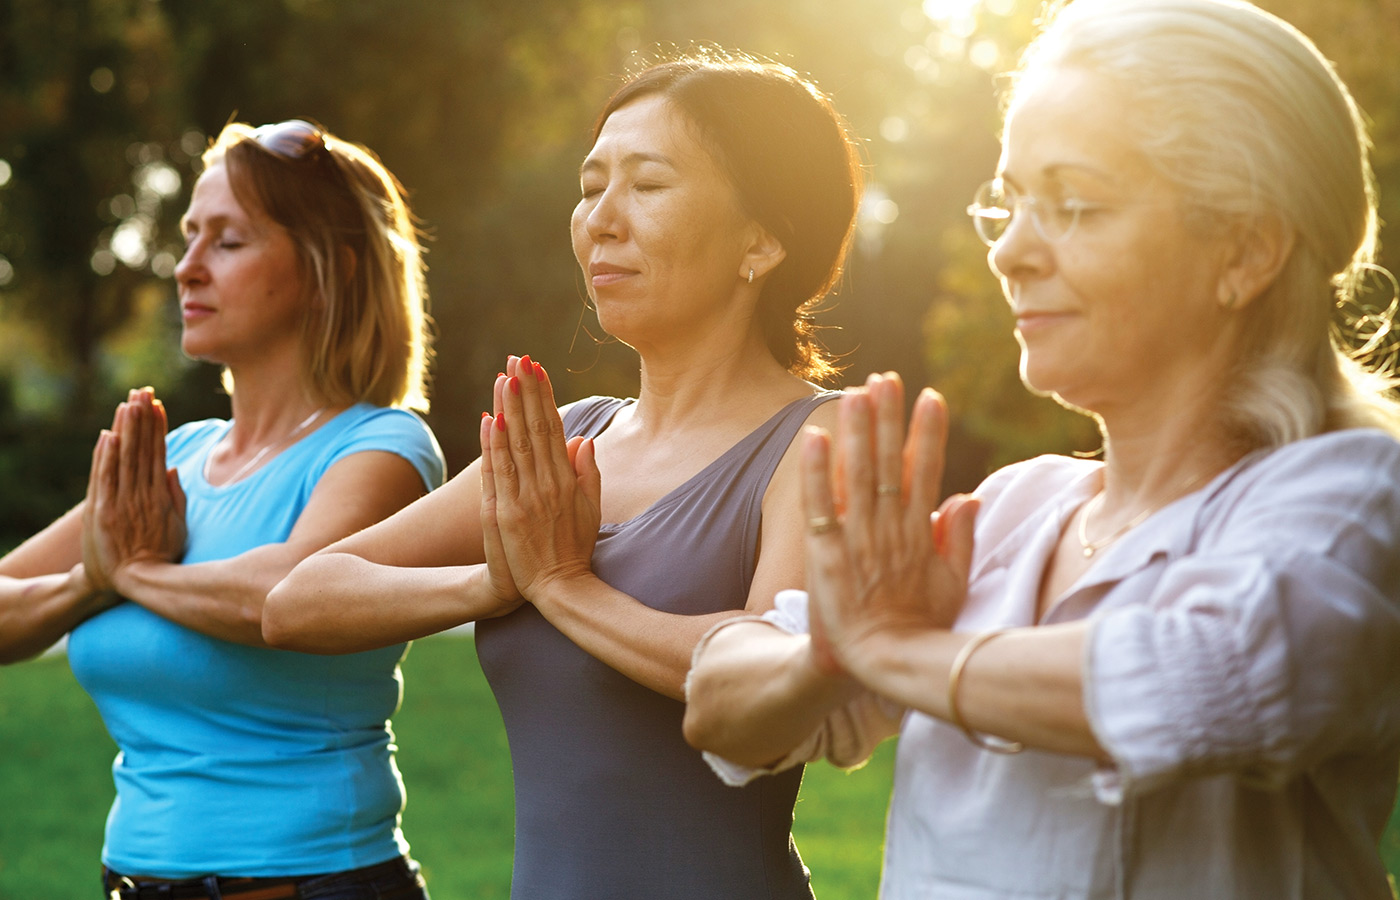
(847, 736)
(1275, 643)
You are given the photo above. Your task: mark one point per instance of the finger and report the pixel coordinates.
(549, 404)
(503, 468)
(177, 493)
(544, 431)
(827, 566)
(590, 479)
(854, 438)
(888, 398)
(925, 451)
(957, 525)
(129, 435)
(512, 444)
(150, 461)
(488, 474)
(90, 499)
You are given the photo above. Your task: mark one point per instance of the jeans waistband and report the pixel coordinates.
(213, 887)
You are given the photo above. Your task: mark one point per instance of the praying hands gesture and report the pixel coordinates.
(539, 493)
(135, 508)
(884, 562)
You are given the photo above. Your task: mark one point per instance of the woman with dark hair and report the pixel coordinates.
(719, 198)
(247, 772)
(1173, 672)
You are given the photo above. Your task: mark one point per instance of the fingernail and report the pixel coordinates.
(501, 422)
(485, 414)
(539, 372)
(515, 384)
(529, 366)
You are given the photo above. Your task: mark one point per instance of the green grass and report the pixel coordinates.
(55, 786)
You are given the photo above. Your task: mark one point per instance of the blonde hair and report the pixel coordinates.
(1246, 117)
(365, 337)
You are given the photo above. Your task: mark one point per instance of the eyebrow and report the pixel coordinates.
(631, 160)
(1054, 169)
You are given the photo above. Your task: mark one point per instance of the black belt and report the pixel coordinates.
(212, 887)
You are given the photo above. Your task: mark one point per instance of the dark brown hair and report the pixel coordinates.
(794, 165)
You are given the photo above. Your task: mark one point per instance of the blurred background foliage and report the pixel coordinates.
(482, 108)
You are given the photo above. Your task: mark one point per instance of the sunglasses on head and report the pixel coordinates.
(292, 139)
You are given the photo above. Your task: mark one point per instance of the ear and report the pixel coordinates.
(348, 262)
(1257, 251)
(761, 255)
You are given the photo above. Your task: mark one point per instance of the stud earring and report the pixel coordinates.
(750, 274)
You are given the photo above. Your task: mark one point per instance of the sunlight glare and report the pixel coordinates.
(949, 10)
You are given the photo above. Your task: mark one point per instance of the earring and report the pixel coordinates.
(1230, 301)
(750, 274)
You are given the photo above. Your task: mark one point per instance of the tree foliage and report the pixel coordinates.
(482, 108)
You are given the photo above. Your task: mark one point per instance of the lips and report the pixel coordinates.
(192, 310)
(602, 274)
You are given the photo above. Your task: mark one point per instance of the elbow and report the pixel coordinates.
(281, 627)
(700, 725)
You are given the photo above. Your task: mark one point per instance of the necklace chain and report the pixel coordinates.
(1091, 547)
(258, 457)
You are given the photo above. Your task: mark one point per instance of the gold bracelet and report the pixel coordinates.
(995, 745)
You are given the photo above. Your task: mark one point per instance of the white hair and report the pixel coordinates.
(1246, 117)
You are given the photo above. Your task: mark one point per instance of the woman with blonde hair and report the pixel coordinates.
(1171, 673)
(244, 771)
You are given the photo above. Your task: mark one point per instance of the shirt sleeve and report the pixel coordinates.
(847, 737)
(396, 431)
(1272, 646)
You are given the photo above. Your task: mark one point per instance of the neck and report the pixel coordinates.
(264, 409)
(708, 378)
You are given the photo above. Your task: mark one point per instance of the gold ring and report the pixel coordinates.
(822, 524)
(888, 490)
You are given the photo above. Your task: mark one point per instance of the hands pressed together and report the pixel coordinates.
(885, 562)
(540, 493)
(135, 509)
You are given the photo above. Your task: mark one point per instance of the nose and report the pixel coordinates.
(1021, 251)
(190, 269)
(605, 220)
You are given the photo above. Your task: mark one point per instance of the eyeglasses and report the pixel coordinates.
(292, 139)
(994, 206)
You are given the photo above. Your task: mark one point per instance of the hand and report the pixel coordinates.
(884, 563)
(135, 509)
(545, 498)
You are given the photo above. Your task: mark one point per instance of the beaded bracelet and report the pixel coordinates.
(995, 745)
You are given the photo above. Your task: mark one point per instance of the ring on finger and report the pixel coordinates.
(888, 490)
(822, 524)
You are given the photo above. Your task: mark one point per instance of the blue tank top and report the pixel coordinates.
(239, 760)
(610, 802)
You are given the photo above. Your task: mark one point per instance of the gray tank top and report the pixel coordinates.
(610, 802)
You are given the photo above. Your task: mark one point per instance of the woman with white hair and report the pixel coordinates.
(1171, 673)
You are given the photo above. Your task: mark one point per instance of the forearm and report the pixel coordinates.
(755, 695)
(342, 603)
(1026, 685)
(651, 647)
(223, 599)
(36, 612)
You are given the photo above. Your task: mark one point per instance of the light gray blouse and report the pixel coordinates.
(1242, 669)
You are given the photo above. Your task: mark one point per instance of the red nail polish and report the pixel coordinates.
(500, 374)
(484, 415)
(539, 372)
(525, 361)
(501, 422)
(515, 385)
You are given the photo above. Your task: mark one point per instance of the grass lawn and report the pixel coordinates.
(55, 786)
